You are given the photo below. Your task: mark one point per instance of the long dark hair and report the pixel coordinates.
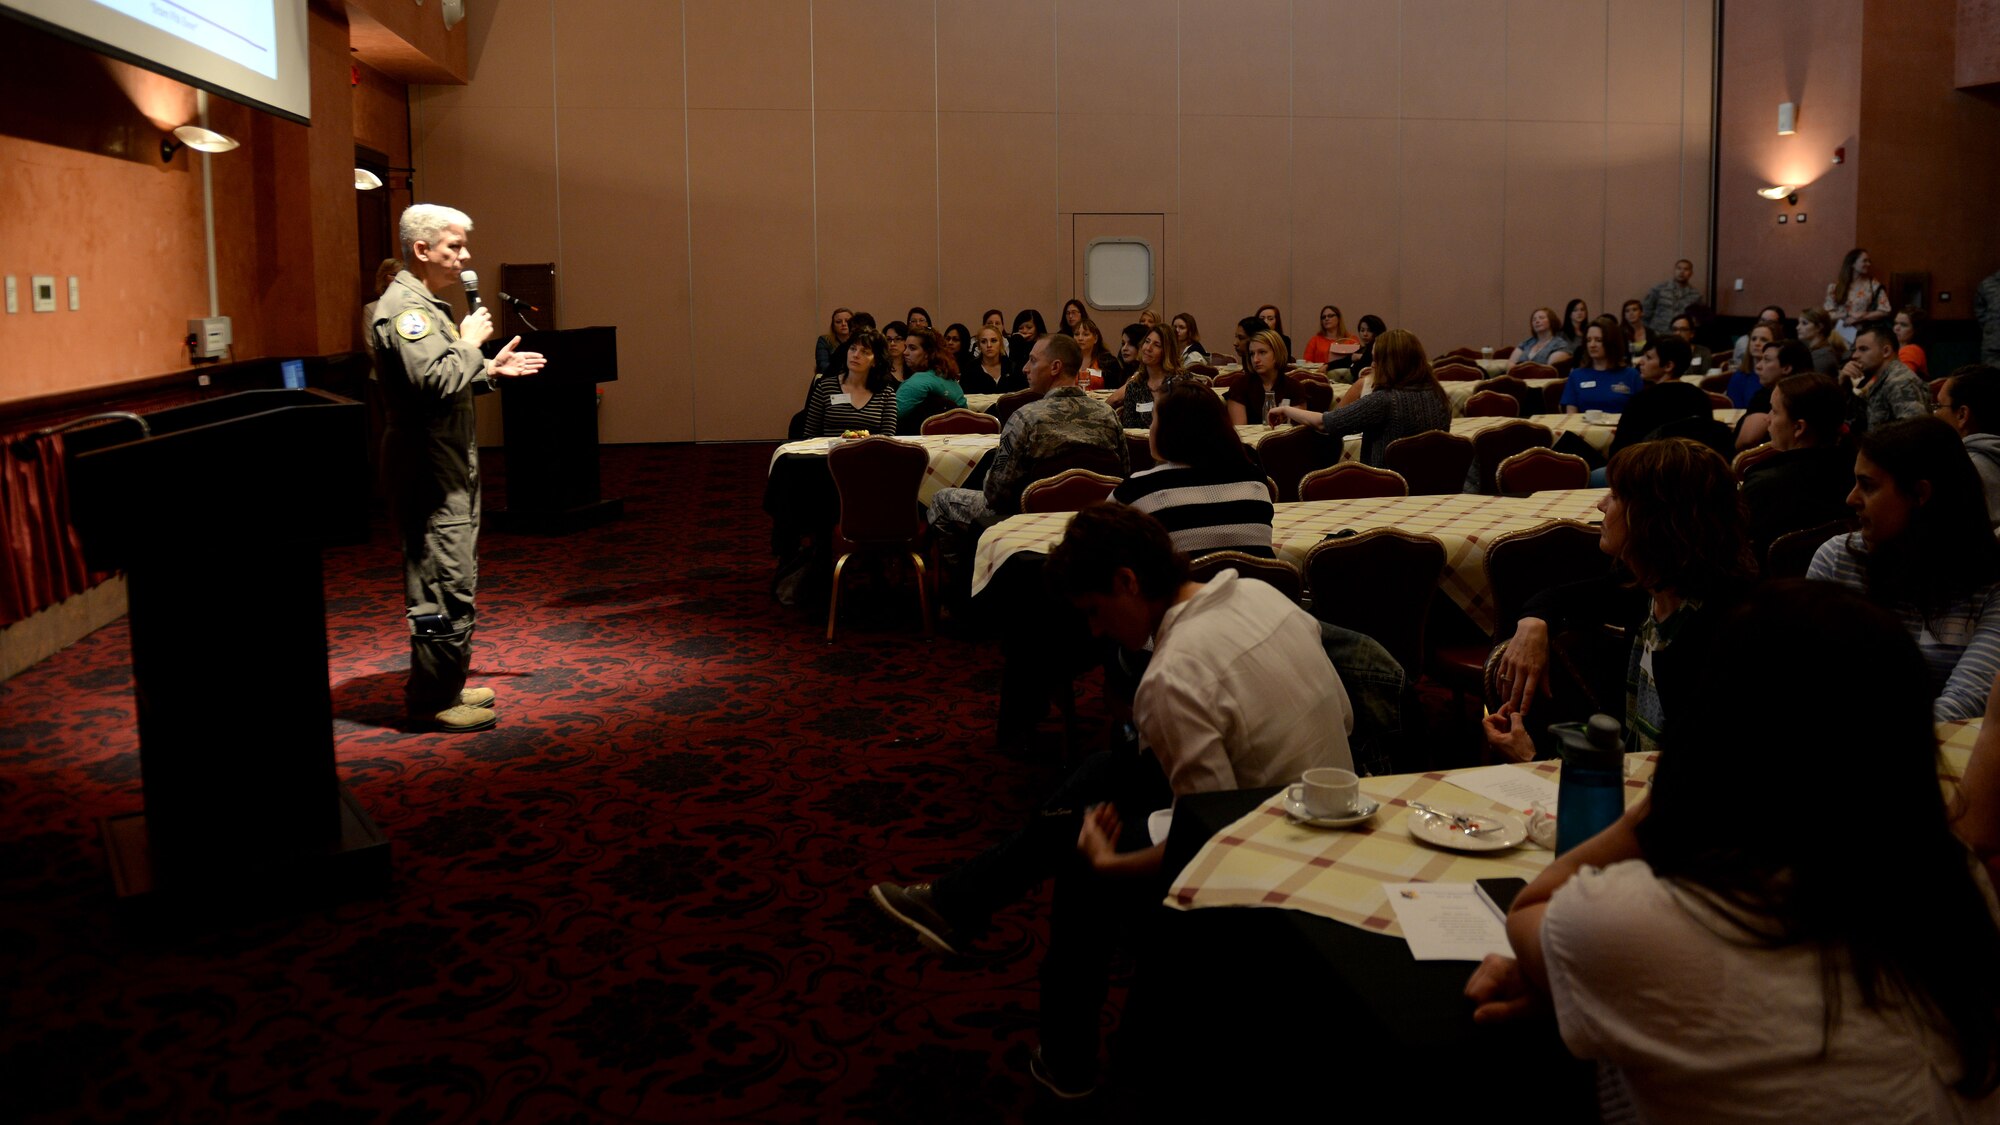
(1616, 351)
(1082, 314)
(878, 365)
(1191, 427)
(1031, 316)
(1947, 550)
(1711, 829)
(1685, 530)
(1846, 279)
(1569, 314)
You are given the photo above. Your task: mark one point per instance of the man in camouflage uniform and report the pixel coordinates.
(1885, 390)
(430, 369)
(1065, 427)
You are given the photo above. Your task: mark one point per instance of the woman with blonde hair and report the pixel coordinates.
(832, 350)
(1406, 400)
(1157, 371)
(1264, 384)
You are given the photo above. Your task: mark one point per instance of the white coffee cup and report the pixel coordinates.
(1327, 791)
(1486, 353)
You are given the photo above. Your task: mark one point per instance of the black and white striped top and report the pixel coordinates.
(1205, 510)
(827, 418)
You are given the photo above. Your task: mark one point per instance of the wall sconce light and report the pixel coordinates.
(1788, 118)
(196, 138)
(454, 11)
(1786, 192)
(364, 180)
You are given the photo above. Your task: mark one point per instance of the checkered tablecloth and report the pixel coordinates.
(1265, 859)
(953, 457)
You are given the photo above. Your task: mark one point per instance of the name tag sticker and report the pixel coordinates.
(1143, 407)
(1587, 385)
(842, 399)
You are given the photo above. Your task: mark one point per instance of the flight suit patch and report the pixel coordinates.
(413, 325)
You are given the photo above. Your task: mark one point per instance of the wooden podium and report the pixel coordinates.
(218, 517)
(551, 433)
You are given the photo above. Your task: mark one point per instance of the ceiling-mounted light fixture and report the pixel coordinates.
(1786, 192)
(1788, 118)
(364, 180)
(196, 138)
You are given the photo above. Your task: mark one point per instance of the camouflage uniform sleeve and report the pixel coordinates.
(1003, 483)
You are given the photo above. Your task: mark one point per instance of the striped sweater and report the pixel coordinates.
(1961, 644)
(1205, 510)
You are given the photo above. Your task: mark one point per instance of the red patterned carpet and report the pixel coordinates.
(641, 898)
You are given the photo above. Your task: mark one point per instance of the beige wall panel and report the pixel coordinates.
(1115, 57)
(1451, 230)
(878, 230)
(1119, 162)
(617, 55)
(1555, 223)
(1454, 64)
(624, 261)
(750, 173)
(1333, 76)
(1555, 60)
(1642, 200)
(1646, 37)
(997, 189)
(997, 56)
(459, 153)
(1233, 59)
(749, 54)
(1697, 148)
(874, 55)
(1235, 248)
(1344, 217)
(507, 49)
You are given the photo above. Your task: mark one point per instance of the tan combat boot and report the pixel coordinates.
(460, 719)
(476, 697)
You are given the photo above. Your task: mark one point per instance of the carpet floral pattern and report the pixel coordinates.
(640, 898)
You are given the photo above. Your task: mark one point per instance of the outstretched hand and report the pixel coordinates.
(1499, 990)
(1098, 841)
(510, 363)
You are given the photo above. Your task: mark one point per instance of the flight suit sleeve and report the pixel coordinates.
(434, 359)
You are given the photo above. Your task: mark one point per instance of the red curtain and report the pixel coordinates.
(44, 563)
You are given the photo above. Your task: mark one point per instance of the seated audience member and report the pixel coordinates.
(931, 385)
(1605, 378)
(861, 398)
(1149, 318)
(1701, 361)
(830, 354)
(1816, 333)
(1775, 363)
(1576, 322)
(1888, 391)
(1275, 321)
(1543, 345)
(1673, 523)
(1073, 314)
(1246, 329)
(1028, 328)
(1970, 401)
(893, 335)
(1192, 349)
(1926, 552)
(1238, 693)
(958, 343)
(1740, 358)
(1805, 483)
(1319, 346)
(1102, 368)
(863, 320)
(917, 318)
(1716, 959)
(1156, 372)
(1744, 384)
(1065, 424)
(1662, 401)
(1265, 383)
(1405, 400)
(1633, 315)
(989, 368)
(1908, 325)
(1128, 348)
(1366, 331)
(1203, 486)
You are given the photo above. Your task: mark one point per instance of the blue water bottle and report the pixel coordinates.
(1590, 796)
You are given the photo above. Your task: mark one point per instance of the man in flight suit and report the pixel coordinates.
(430, 369)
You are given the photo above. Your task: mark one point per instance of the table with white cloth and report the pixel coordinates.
(952, 457)
(1463, 522)
(1460, 391)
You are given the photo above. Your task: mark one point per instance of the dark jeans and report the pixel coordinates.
(1090, 912)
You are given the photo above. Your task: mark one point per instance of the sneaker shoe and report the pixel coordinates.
(476, 697)
(913, 907)
(461, 719)
(1068, 1088)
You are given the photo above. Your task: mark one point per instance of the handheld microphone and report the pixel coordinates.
(470, 280)
(519, 303)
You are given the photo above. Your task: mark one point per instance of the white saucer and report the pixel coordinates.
(1436, 831)
(1298, 813)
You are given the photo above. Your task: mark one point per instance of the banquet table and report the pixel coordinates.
(1464, 522)
(1460, 391)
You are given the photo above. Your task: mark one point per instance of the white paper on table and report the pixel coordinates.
(1447, 921)
(1512, 786)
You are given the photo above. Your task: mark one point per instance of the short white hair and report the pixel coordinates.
(424, 222)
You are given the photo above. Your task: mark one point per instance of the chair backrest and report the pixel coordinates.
(1288, 456)
(1071, 490)
(1140, 446)
(1563, 367)
(1490, 447)
(1506, 352)
(1792, 553)
(1227, 378)
(1008, 403)
(1541, 470)
(1276, 572)
(1432, 463)
(1492, 404)
(877, 478)
(1552, 398)
(961, 421)
(1745, 460)
(1352, 480)
(1526, 371)
(1379, 583)
(1205, 370)
(1521, 564)
(1462, 353)
(1719, 401)
(1453, 369)
(1526, 397)
(1316, 395)
(1714, 383)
